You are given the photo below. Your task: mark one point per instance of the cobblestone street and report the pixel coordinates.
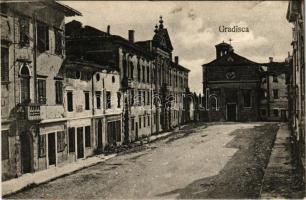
(206, 161)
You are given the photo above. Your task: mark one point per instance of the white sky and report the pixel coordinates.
(194, 27)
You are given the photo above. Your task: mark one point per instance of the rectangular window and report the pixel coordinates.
(58, 42)
(275, 94)
(42, 91)
(87, 136)
(4, 64)
(24, 27)
(58, 92)
(263, 112)
(144, 121)
(108, 100)
(60, 141)
(139, 122)
(70, 101)
(98, 99)
(148, 98)
(5, 144)
(118, 99)
(143, 74)
(275, 113)
(275, 79)
(149, 120)
(86, 95)
(132, 123)
(42, 37)
(42, 145)
(247, 98)
(148, 75)
(287, 78)
(132, 97)
(139, 98)
(144, 98)
(71, 139)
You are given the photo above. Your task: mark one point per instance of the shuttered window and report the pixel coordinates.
(69, 101)
(42, 145)
(42, 99)
(4, 64)
(60, 141)
(24, 27)
(5, 144)
(58, 92)
(42, 37)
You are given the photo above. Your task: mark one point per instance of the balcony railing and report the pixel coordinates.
(33, 112)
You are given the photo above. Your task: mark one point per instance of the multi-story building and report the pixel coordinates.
(93, 106)
(296, 16)
(231, 85)
(274, 84)
(152, 84)
(32, 105)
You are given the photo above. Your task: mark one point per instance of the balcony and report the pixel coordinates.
(29, 112)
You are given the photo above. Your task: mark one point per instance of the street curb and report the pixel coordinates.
(17, 185)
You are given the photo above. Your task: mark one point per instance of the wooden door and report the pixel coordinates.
(51, 149)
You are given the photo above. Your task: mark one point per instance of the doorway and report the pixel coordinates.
(80, 143)
(231, 112)
(136, 131)
(283, 115)
(26, 149)
(51, 149)
(100, 144)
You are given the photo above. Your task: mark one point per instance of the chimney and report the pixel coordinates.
(108, 29)
(131, 36)
(176, 59)
(271, 59)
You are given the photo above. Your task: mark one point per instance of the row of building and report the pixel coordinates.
(70, 91)
(297, 103)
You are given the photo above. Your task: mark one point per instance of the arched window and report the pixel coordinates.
(24, 84)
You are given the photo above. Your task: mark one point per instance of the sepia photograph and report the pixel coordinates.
(152, 99)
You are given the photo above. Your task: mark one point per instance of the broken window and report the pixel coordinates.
(58, 42)
(4, 64)
(42, 99)
(24, 24)
(42, 37)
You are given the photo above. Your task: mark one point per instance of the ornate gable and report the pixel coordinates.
(161, 38)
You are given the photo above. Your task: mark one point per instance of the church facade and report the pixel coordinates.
(231, 84)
